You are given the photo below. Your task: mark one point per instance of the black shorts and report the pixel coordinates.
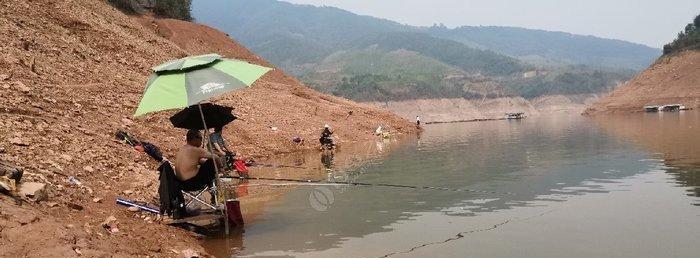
(205, 176)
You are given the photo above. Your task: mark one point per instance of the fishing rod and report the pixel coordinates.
(276, 166)
(324, 182)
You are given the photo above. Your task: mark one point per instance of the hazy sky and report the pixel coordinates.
(649, 22)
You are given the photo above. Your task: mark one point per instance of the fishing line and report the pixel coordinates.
(318, 182)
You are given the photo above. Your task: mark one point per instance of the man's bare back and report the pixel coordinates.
(187, 161)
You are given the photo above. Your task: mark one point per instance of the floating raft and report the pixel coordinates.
(518, 115)
(665, 108)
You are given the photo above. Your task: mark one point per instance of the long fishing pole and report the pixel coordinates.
(276, 166)
(324, 182)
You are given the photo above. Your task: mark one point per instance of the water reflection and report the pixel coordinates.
(327, 159)
(673, 137)
(525, 163)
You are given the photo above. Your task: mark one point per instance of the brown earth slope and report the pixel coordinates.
(72, 73)
(671, 80)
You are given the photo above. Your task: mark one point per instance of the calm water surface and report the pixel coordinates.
(565, 186)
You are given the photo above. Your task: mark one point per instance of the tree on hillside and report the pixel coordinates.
(123, 5)
(176, 9)
(689, 38)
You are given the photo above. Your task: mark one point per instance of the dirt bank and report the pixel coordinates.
(72, 72)
(671, 80)
(458, 109)
(571, 104)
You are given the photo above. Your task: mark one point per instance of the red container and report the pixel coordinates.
(233, 209)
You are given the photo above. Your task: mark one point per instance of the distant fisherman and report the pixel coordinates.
(220, 148)
(327, 138)
(417, 120)
(218, 143)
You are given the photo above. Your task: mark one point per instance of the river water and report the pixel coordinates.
(556, 186)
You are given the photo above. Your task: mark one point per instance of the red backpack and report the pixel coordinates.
(240, 167)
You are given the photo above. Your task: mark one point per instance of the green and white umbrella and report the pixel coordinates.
(191, 80)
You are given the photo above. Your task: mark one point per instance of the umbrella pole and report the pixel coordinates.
(216, 169)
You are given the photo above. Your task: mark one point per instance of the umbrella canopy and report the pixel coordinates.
(214, 116)
(191, 80)
(186, 63)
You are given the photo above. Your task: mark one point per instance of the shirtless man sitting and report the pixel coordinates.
(194, 166)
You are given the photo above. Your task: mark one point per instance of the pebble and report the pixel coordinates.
(110, 224)
(33, 190)
(128, 192)
(27, 219)
(133, 209)
(76, 207)
(97, 200)
(127, 121)
(74, 181)
(88, 169)
(21, 87)
(189, 253)
(86, 228)
(67, 157)
(18, 141)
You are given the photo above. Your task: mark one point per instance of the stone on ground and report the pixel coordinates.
(34, 191)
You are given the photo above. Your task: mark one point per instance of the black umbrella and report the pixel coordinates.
(214, 116)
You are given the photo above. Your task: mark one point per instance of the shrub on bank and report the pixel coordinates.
(176, 9)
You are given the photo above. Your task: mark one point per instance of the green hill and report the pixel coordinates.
(549, 47)
(376, 74)
(296, 35)
(367, 58)
(576, 79)
(451, 52)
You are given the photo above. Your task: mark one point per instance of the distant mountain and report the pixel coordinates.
(367, 58)
(469, 59)
(548, 47)
(379, 74)
(293, 35)
(286, 33)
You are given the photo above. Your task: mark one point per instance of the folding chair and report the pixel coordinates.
(177, 201)
(195, 196)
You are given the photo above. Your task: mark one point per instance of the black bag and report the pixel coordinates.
(153, 151)
(11, 172)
